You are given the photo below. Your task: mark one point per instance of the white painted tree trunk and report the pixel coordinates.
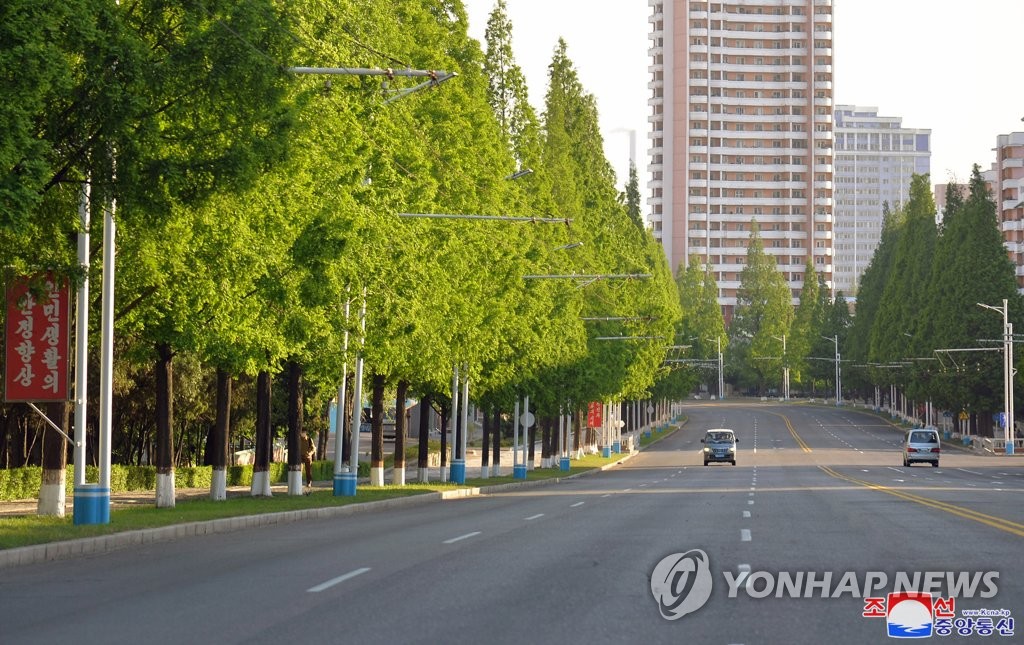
(495, 470)
(424, 475)
(219, 485)
(376, 476)
(261, 484)
(165, 490)
(398, 476)
(295, 482)
(52, 493)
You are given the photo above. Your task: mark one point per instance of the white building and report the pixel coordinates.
(875, 158)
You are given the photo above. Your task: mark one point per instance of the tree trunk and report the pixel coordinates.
(295, 428)
(346, 441)
(398, 474)
(531, 438)
(264, 440)
(444, 439)
(485, 452)
(53, 492)
(377, 432)
(545, 443)
(219, 444)
(423, 456)
(496, 466)
(164, 427)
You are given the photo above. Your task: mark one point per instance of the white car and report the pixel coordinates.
(921, 444)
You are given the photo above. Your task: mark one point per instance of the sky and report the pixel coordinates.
(954, 67)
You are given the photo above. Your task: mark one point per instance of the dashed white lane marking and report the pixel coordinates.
(750, 494)
(576, 504)
(744, 535)
(973, 472)
(746, 513)
(334, 581)
(462, 537)
(750, 501)
(606, 495)
(534, 517)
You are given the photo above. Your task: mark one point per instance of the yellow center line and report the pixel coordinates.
(990, 520)
(800, 442)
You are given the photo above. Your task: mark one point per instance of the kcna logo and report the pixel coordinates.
(681, 583)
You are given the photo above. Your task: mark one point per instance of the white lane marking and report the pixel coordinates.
(750, 494)
(744, 535)
(746, 513)
(606, 495)
(462, 537)
(896, 469)
(750, 501)
(533, 517)
(334, 581)
(576, 504)
(627, 490)
(973, 472)
(753, 488)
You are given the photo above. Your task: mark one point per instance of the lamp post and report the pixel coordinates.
(839, 374)
(721, 383)
(1007, 373)
(785, 368)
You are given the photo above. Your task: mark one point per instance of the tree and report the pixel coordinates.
(633, 196)
(763, 310)
(806, 324)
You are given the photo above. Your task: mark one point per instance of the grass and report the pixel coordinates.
(33, 529)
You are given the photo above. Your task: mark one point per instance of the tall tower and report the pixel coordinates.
(1008, 193)
(741, 130)
(875, 158)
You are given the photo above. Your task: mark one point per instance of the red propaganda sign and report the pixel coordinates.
(595, 415)
(37, 340)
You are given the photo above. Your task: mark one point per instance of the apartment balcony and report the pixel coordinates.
(1012, 225)
(654, 184)
(823, 167)
(1011, 204)
(655, 84)
(698, 32)
(1015, 162)
(656, 50)
(823, 218)
(823, 201)
(697, 199)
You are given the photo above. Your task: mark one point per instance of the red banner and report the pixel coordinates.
(595, 415)
(37, 337)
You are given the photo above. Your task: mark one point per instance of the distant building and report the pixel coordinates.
(875, 158)
(741, 130)
(940, 198)
(1007, 187)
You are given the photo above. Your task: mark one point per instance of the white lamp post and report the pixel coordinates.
(839, 374)
(785, 368)
(1007, 373)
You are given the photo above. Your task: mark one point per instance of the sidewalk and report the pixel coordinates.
(148, 498)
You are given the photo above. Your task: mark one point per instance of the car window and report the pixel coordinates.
(923, 437)
(720, 436)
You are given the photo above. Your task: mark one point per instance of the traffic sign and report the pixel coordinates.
(526, 418)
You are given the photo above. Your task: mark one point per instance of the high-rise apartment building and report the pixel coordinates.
(875, 158)
(1008, 193)
(741, 130)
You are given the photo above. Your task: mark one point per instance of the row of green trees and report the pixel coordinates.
(253, 203)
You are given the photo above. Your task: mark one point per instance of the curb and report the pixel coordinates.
(67, 549)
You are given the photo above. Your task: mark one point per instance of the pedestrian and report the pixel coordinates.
(308, 452)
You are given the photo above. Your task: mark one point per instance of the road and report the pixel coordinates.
(815, 490)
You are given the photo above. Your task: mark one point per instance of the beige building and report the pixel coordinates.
(741, 130)
(1007, 186)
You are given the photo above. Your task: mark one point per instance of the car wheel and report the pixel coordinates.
(935, 464)
(733, 462)
(705, 463)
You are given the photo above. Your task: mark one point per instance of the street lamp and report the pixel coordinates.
(785, 368)
(721, 383)
(839, 374)
(1007, 373)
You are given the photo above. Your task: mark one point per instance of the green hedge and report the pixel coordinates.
(24, 483)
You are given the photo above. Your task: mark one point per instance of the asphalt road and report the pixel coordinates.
(816, 490)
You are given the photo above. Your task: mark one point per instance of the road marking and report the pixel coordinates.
(750, 501)
(334, 581)
(750, 494)
(533, 517)
(746, 513)
(744, 535)
(960, 511)
(753, 488)
(970, 471)
(462, 537)
(606, 495)
(800, 442)
(576, 504)
(627, 490)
